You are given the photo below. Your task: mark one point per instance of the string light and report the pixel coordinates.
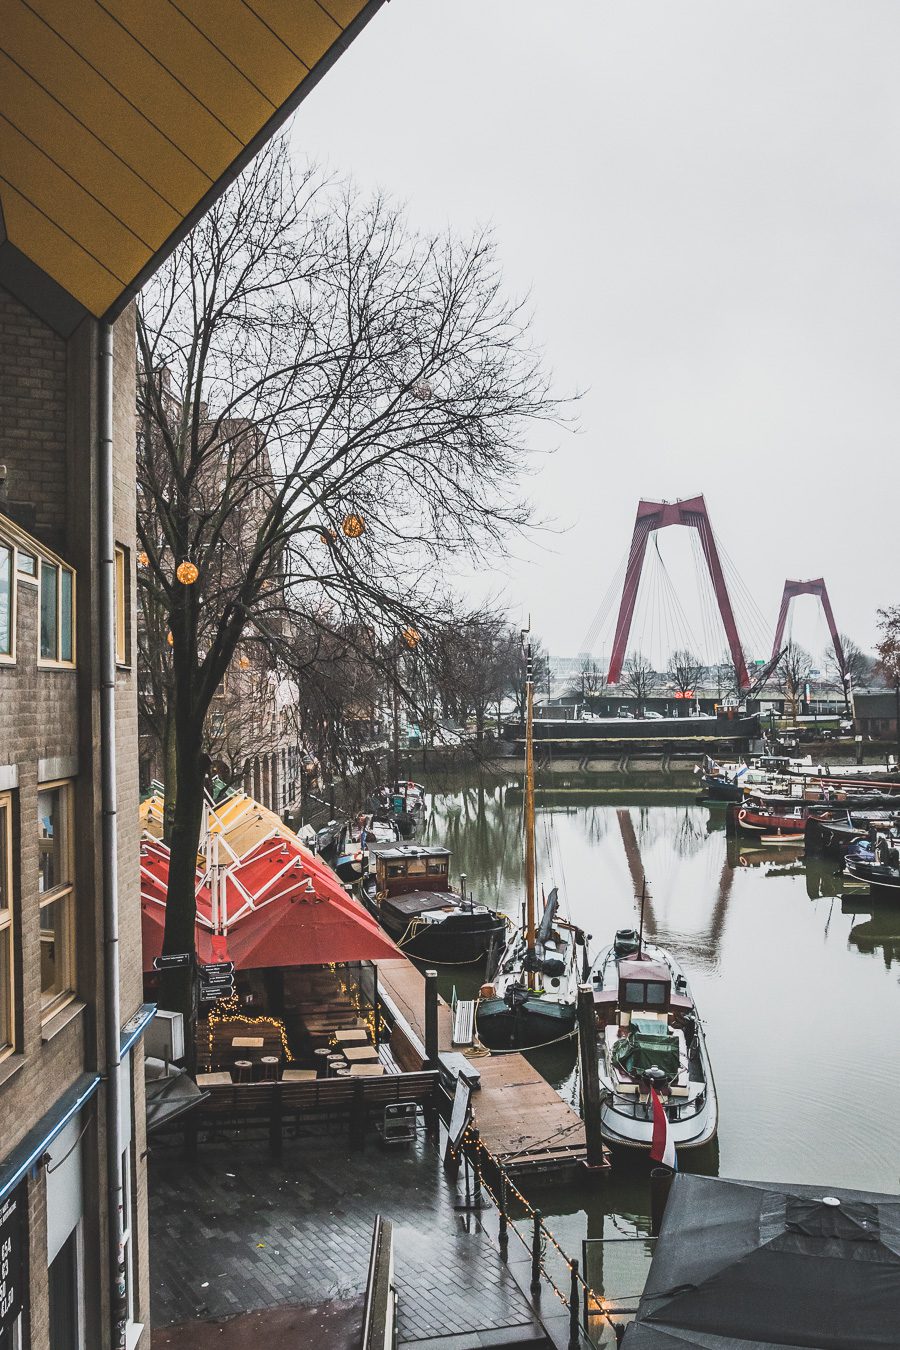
(229, 1009)
(411, 638)
(143, 558)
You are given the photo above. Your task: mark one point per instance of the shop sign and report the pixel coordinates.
(12, 1243)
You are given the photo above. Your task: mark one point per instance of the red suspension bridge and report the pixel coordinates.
(726, 607)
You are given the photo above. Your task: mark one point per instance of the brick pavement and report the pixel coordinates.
(234, 1232)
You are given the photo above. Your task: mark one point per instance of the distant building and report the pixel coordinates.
(875, 713)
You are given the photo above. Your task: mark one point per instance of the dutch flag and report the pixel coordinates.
(662, 1147)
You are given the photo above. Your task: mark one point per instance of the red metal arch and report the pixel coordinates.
(655, 516)
(815, 587)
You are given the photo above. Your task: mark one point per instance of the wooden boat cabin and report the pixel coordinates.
(647, 1030)
(402, 868)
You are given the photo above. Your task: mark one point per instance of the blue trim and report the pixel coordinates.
(136, 1026)
(38, 1139)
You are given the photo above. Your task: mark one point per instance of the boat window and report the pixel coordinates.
(417, 868)
(396, 869)
(656, 995)
(634, 991)
(437, 867)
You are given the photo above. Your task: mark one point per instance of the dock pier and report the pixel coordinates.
(523, 1123)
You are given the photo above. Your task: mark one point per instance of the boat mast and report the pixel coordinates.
(529, 812)
(641, 932)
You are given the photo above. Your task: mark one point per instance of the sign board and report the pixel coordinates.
(12, 1247)
(177, 961)
(217, 968)
(459, 1116)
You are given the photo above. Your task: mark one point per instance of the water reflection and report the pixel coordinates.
(782, 972)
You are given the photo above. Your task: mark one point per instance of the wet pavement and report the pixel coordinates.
(233, 1232)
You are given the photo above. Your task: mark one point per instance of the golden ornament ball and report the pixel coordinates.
(353, 526)
(187, 572)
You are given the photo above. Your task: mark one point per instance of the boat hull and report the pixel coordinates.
(533, 1022)
(457, 940)
(626, 1132)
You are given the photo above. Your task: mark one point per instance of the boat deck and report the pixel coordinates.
(522, 1120)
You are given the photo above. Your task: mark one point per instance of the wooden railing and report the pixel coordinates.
(275, 1103)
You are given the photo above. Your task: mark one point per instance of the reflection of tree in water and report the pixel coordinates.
(482, 827)
(681, 827)
(880, 931)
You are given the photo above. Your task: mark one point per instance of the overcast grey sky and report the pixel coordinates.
(703, 198)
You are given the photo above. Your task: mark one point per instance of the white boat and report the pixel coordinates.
(649, 1034)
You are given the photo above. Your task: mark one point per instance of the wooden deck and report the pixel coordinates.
(523, 1122)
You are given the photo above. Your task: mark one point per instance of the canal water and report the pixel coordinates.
(798, 989)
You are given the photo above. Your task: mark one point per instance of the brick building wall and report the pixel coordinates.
(50, 729)
(33, 426)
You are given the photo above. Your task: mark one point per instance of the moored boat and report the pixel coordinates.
(533, 999)
(408, 891)
(649, 1034)
(352, 862)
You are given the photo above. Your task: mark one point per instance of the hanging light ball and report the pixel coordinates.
(411, 638)
(328, 536)
(187, 572)
(353, 526)
(143, 558)
(244, 663)
(170, 639)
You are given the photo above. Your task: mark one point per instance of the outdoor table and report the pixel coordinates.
(361, 1054)
(366, 1070)
(298, 1075)
(355, 1036)
(248, 1042)
(244, 1070)
(217, 1078)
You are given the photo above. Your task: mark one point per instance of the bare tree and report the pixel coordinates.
(792, 673)
(686, 673)
(640, 679)
(331, 406)
(590, 683)
(849, 669)
(888, 652)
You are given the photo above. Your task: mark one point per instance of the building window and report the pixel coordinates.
(7, 1002)
(123, 594)
(57, 613)
(7, 598)
(56, 887)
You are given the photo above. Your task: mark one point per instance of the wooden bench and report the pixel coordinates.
(273, 1102)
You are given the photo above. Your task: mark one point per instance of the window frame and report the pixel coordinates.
(9, 658)
(7, 918)
(55, 662)
(64, 891)
(122, 567)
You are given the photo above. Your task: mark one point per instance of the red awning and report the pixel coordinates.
(308, 930)
(281, 906)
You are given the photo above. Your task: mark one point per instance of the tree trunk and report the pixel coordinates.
(396, 735)
(170, 772)
(479, 724)
(176, 986)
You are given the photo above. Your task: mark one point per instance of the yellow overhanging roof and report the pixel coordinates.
(122, 120)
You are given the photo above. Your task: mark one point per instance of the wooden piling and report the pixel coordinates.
(431, 1019)
(590, 1076)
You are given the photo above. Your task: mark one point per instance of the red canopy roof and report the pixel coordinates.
(279, 905)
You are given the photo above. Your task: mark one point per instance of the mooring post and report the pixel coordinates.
(590, 1075)
(431, 1019)
(660, 1185)
(574, 1327)
(536, 1254)
(504, 1234)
